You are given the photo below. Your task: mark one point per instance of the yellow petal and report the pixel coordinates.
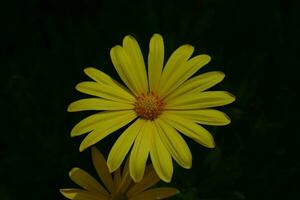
(160, 157)
(156, 193)
(107, 128)
(103, 79)
(139, 153)
(98, 75)
(148, 181)
(77, 194)
(190, 129)
(203, 100)
(133, 51)
(105, 91)
(197, 84)
(155, 61)
(183, 73)
(205, 116)
(98, 104)
(123, 66)
(99, 163)
(70, 193)
(97, 121)
(123, 145)
(175, 144)
(83, 179)
(177, 60)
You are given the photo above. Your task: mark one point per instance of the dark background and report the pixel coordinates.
(46, 44)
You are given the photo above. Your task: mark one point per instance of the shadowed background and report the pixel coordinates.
(45, 45)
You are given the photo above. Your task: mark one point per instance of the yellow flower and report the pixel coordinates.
(118, 187)
(160, 104)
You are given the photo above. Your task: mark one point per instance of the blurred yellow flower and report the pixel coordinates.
(118, 187)
(161, 102)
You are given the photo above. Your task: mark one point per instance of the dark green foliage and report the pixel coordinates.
(46, 44)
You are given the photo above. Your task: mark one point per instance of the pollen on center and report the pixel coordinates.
(149, 106)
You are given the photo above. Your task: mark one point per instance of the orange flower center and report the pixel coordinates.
(149, 106)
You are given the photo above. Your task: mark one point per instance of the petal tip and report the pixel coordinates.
(136, 179)
(110, 168)
(211, 145)
(114, 49)
(167, 179)
(188, 46)
(228, 119)
(73, 170)
(220, 74)
(73, 133)
(156, 35)
(134, 176)
(233, 98)
(206, 57)
(82, 148)
(70, 108)
(128, 38)
(188, 166)
(78, 87)
(229, 97)
(88, 69)
(62, 191)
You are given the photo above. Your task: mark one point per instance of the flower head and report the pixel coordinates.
(117, 187)
(157, 103)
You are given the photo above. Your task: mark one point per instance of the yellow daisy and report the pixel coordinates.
(159, 104)
(117, 187)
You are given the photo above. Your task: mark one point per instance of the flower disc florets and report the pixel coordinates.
(149, 106)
